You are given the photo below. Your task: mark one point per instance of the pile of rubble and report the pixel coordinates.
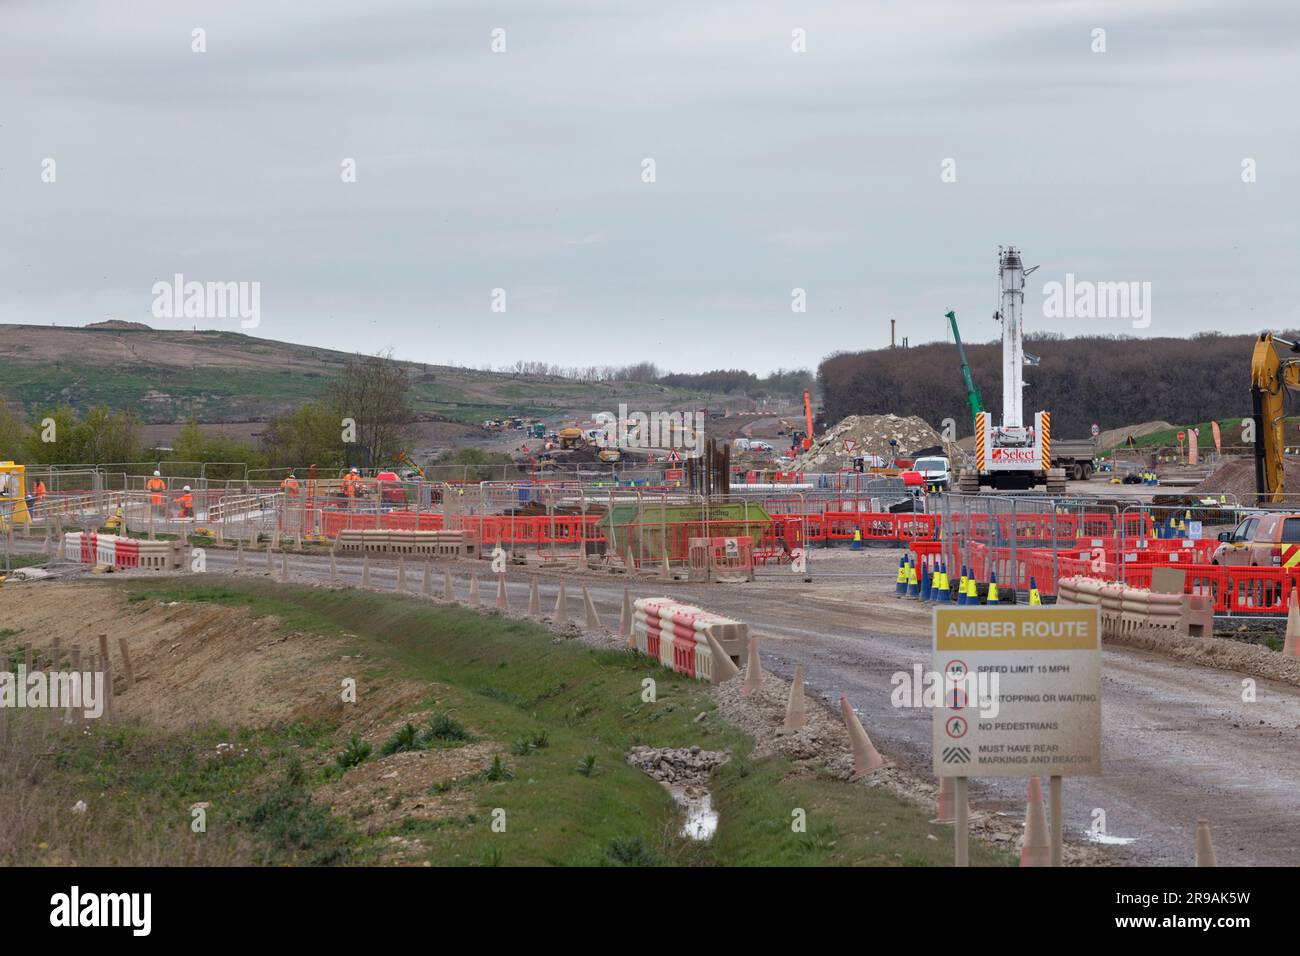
(1236, 476)
(691, 766)
(870, 435)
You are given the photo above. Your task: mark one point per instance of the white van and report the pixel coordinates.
(934, 469)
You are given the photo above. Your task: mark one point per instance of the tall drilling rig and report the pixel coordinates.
(1012, 455)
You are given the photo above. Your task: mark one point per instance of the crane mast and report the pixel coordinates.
(1011, 272)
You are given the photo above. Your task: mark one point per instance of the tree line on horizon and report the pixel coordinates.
(788, 383)
(1109, 380)
(372, 393)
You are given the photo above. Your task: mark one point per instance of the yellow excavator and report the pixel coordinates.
(1270, 376)
(573, 438)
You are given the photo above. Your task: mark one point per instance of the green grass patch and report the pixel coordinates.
(561, 716)
(17, 561)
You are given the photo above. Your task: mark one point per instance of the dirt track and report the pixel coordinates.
(1178, 740)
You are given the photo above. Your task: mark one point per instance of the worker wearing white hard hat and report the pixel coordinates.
(186, 502)
(352, 483)
(156, 488)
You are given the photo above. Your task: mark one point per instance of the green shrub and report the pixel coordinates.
(444, 727)
(630, 851)
(354, 754)
(406, 739)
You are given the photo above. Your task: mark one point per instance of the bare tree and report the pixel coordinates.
(374, 391)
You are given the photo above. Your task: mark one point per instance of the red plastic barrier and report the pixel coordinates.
(126, 554)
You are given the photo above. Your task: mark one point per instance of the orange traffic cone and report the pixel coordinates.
(1291, 645)
(1204, 848)
(753, 668)
(796, 712)
(866, 757)
(947, 801)
(473, 590)
(503, 601)
(534, 598)
(1036, 850)
(723, 667)
(447, 592)
(401, 573)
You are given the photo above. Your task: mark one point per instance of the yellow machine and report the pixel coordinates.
(404, 459)
(571, 437)
(13, 494)
(1269, 376)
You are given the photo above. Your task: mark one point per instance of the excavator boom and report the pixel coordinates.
(1270, 375)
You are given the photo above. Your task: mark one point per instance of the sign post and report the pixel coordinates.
(1021, 698)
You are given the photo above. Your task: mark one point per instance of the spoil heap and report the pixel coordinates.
(1236, 476)
(870, 435)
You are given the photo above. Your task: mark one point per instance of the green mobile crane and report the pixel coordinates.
(973, 397)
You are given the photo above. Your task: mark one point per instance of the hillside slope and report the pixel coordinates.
(219, 376)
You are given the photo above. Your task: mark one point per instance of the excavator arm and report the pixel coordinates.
(1270, 375)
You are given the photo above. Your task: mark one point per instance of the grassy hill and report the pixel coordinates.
(221, 376)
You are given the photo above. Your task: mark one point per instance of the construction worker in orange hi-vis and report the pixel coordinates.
(352, 483)
(186, 503)
(156, 487)
(289, 486)
(38, 490)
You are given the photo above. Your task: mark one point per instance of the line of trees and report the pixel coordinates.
(1111, 380)
(782, 382)
(364, 418)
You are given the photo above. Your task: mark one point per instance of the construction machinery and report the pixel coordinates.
(404, 460)
(1075, 457)
(1270, 375)
(973, 397)
(573, 438)
(1013, 455)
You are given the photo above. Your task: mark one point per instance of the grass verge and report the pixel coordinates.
(548, 720)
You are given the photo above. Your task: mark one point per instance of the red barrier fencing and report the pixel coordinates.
(1232, 590)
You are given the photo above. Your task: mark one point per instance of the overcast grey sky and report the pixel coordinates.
(522, 170)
